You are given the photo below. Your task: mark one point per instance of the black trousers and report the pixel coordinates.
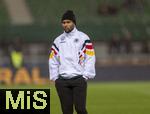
(72, 93)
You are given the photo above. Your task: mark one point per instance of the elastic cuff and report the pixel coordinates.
(54, 79)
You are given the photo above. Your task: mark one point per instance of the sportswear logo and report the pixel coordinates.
(62, 40)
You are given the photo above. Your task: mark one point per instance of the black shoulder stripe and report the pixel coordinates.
(86, 41)
(55, 46)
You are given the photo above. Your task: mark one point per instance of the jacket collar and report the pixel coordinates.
(71, 33)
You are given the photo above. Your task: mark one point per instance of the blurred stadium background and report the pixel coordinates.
(119, 29)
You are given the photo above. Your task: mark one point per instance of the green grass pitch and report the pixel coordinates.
(109, 98)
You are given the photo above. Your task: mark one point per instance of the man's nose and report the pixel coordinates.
(65, 25)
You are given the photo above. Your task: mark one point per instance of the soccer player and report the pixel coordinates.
(71, 64)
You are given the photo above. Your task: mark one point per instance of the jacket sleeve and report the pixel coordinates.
(54, 62)
(89, 59)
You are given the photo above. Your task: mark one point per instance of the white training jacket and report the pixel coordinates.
(72, 54)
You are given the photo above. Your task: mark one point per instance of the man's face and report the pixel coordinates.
(68, 25)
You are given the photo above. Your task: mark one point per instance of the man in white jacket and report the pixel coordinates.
(71, 64)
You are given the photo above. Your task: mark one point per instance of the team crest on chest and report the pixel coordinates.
(76, 40)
